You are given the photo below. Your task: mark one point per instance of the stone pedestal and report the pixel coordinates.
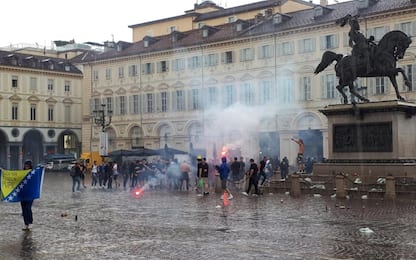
(340, 186)
(390, 188)
(295, 185)
(370, 139)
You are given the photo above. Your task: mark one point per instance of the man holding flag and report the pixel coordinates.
(22, 186)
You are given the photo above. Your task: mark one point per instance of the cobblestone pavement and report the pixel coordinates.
(103, 224)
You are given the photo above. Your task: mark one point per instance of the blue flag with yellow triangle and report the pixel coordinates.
(21, 185)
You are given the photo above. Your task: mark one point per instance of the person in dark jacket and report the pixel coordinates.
(224, 171)
(76, 176)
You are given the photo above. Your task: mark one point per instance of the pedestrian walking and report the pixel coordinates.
(253, 179)
(94, 174)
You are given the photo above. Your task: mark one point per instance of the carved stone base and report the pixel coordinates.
(376, 138)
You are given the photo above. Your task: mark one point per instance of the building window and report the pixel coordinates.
(109, 105)
(306, 45)
(95, 74)
(212, 96)
(179, 100)
(149, 103)
(33, 84)
(132, 70)
(286, 90)
(329, 41)
(378, 32)
(408, 28)
(15, 110)
(67, 86)
(231, 19)
(266, 92)
(164, 101)
(195, 99)
(178, 64)
(194, 62)
(14, 82)
(122, 104)
(121, 72)
(96, 104)
(227, 57)
(328, 86)
(67, 114)
(33, 112)
(247, 54)
(247, 94)
(285, 48)
(148, 68)
(265, 52)
(305, 89)
(211, 59)
(229, 95)
(50, 113)
(380, 87)
(135, 104)
(162, 66)
(50, 84)
(107, 74)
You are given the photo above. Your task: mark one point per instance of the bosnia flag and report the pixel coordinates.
(21, 185)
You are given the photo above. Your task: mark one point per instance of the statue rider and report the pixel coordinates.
(362, 48)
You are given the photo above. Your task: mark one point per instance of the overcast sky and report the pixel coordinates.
(43, 21)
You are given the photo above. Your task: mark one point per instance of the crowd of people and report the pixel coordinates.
(235, 174)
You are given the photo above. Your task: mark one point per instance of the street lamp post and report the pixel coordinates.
(102, 118)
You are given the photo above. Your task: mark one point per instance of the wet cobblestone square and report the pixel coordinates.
(114, 224)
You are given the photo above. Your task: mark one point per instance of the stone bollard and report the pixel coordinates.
(340, 186)
(218, 188)
(390, 188)
(295, 185)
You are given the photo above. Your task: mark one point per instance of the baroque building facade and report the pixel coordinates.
(40, 104)
(240, 78)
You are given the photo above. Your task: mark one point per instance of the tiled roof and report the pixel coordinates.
(299, 19)
(11, 59)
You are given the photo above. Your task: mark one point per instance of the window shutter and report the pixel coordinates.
(323, 42)
(413, 29)
(323, 88)
(345, 39)
(223, 55)
(291, 47)
(301, 46)
(313, 44)
(279, 49)
(336, 40)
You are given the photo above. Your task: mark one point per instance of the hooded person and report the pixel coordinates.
(224, 171)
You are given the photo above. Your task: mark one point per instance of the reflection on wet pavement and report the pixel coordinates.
(102, 224)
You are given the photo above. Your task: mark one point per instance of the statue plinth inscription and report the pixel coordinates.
(366, 137)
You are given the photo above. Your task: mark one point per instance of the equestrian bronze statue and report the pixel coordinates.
(367, 58)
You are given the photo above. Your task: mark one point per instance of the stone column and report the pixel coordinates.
(295, 185)
(390, 188)
(340, 185)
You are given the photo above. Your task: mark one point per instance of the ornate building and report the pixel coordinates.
(40, 104)
(239, 77)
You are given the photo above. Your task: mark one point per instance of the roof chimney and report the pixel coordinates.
(324, 2)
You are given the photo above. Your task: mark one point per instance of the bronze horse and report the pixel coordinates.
(385, 54)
